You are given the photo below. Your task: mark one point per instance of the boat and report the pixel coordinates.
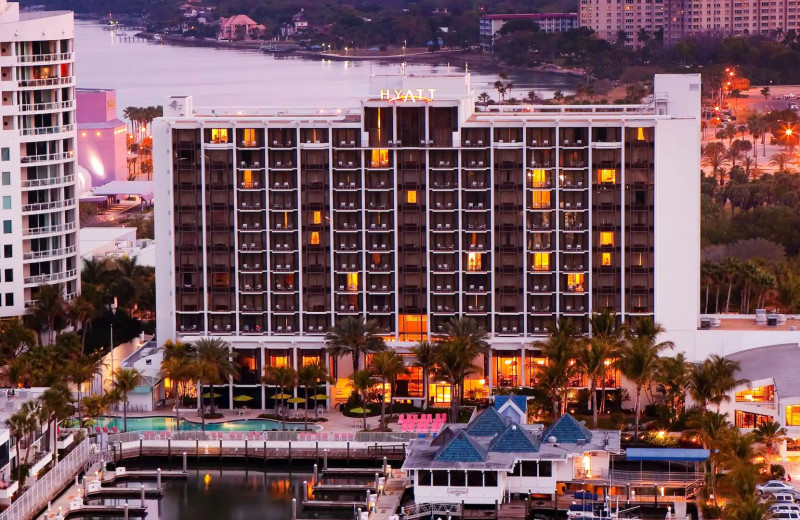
(599, 511)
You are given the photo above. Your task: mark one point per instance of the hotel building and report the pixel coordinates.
(490, 24)
(39, 213)
(416, 208)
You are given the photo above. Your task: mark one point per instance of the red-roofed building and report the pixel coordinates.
(490, 24)
(240, 27)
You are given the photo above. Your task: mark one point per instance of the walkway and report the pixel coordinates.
(75, 491)
(389, 501)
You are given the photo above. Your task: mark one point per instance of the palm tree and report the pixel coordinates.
(711, 381)
(770, 433)
(387, 365)
(49, 307)
(362, 381)
(453, 365)
(592, 361)
(558, 96)
(21, 424)
(124, 381)
(310, 376)
(737, 458)
(639, 359)
(95, 405)
(500, 87)
(710, 428)
(181, 371)
(747, 508)
(714, 156)
(354, 336)
(484, 98)
(560, 348)
(424, 359)
(56, 406)
(607, 329)
(283, 377)
(781, 161)
(673, 379)
(470, 336)
(216, 354)
(80, 312)
(81, 371)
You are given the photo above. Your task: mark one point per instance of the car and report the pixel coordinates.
(793, 106)
(784, 506)
(784, 515)
(783, 496)
(773, 486)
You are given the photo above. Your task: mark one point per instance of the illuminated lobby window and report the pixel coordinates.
(411, 197)
(219, 135)
(541, 261)
(606, 238)
(442, 394)
(605, 259)
(538, 178)
(380, 158)
(606, 176)
(762, 394)
(317, 218)
(413, 327)
(314, 238)
(352, 281)
(278, 361)
(309, 359)
(541, 199)
(248, 178)
(575, 282)
(474, 261)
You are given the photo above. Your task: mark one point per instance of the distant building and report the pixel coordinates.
(240, 27)
(102, 147)
(300, 21)
(490, 24)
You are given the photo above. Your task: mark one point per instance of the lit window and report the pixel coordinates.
(279, 361)
(83, 134)
(606, 238)
(541, 261)
(379, 158)
(606, 259)
(761, 394)
(98, 133)
(606, 176)
(315, 238)
(413, 327)
(538, 178)
(248, 178)
(310, 360)
(219, 135)
(640, 134)
(249, 135)
(541, 200)
(474, 261)
(575, 282)
(317, 217)
(352, 281)
(412, 197)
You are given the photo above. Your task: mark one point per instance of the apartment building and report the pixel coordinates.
(680, 18)
(37, 156)
(415, 208)
(490, 24)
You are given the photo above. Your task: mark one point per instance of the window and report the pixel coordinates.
(442, 395)
(575, 282)
(541, 200)
(754, 420)
(640, 134)
(6, 201)
(605, 259)
(380, 158)
(352, 281)
(6, 178)
(219, 135)
(439, 478)
(545, 468)
(249, 137)
(474, 479)
(278, 360)
(414, 327)
(9, 275)
(411, 196)
(9, 299)
(458, 478)
(314, 238)
(761, 394)
(541, 261)
(490, 479)
(474, 261)
(529, 468)
(606, 176)
(5, 154)
(317, 217)
(423, 477)
(537, 178)
(8, 251)
(606, 238)
(7, 227)
(248, 179)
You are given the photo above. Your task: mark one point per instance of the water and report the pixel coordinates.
(169, 423)
(145, 73)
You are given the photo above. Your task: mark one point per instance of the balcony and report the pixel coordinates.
(47, 107)
(38, 255)
(47, 278)
(50, 181)
(44, 58)
(44, 230)
(61, 156)
(46, 130)
(46, 82)
(45, 206)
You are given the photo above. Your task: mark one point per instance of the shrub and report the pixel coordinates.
(711, 511)
(618, 418)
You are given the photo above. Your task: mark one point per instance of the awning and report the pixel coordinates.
(666, 454)
(142, 188)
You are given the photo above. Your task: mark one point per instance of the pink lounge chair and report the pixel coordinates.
(401, 419)
(115, 429)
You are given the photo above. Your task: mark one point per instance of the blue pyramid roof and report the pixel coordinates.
(567, 429)
(520, 400)
(487, 424)
(462, 448)
(515, 439)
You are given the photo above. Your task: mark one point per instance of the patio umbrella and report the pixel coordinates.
(242, 398)
(319, 397)
(357, 410)
(296, 400)
(281, 396)
(207, 395)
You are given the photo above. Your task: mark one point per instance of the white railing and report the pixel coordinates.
(50, 181)
(47, 130)
(35, 255)
(55, 204)
(45, 278)
(670, 477)
(420, 510)
(366, 438)
(38, 58)
(51, 484)
(49, 229)
(53, 105)
(45, 82)
(48, 157)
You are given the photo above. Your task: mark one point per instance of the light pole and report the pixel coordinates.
(113, 307)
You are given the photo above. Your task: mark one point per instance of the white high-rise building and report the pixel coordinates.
(38, 205)
(418, 207)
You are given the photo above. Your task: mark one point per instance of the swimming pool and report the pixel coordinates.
(170, 423)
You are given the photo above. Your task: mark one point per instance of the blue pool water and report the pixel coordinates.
(169, 423)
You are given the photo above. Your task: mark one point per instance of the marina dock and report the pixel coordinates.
(334, 504)
(352, 471)
(345, 487)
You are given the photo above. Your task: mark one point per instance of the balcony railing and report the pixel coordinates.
(39, 58)
(35, 255)
(46, 130)
(60, 156)
(46, 278)
(44, 82)
(50, 181)
(43, 206)
(44, 230)
(38, 107)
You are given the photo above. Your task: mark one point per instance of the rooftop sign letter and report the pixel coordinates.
(394, 95)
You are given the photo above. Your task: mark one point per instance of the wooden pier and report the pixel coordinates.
(116, 492)
(352, 471)
(344, 488)
(334, 504)
(101, 510)
(110, 477)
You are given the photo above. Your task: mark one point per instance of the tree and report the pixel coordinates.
(639, 358)
(48, 310)
(781, 161)
(56, 405)
(354, 336)
(607, 329)
(710, 428)
(560, 349)
(471, 337)
(770, 433)
(672, 377)
(310, 376)
(178, 365)
(711, 381)
(714, 156)
(558, 96)
(81, 371)
(765, 92)
(215, 353)
(124, 381)
(454, 363)
(362, 381)
(80, 312)
(283, 377)
(424, 359)
(15, 339)
(21, 424)
(387, 365)
(484, 98)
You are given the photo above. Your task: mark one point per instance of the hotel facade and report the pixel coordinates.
(39, 212)
(417, 208)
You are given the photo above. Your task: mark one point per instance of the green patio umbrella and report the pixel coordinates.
(357, 410)
(207, 395)
(281, 396)
(242, 398)
(296, 400)
(319, 397)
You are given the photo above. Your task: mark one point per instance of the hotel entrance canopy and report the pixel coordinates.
(143, 189)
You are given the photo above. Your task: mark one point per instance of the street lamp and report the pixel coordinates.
(113, 308)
